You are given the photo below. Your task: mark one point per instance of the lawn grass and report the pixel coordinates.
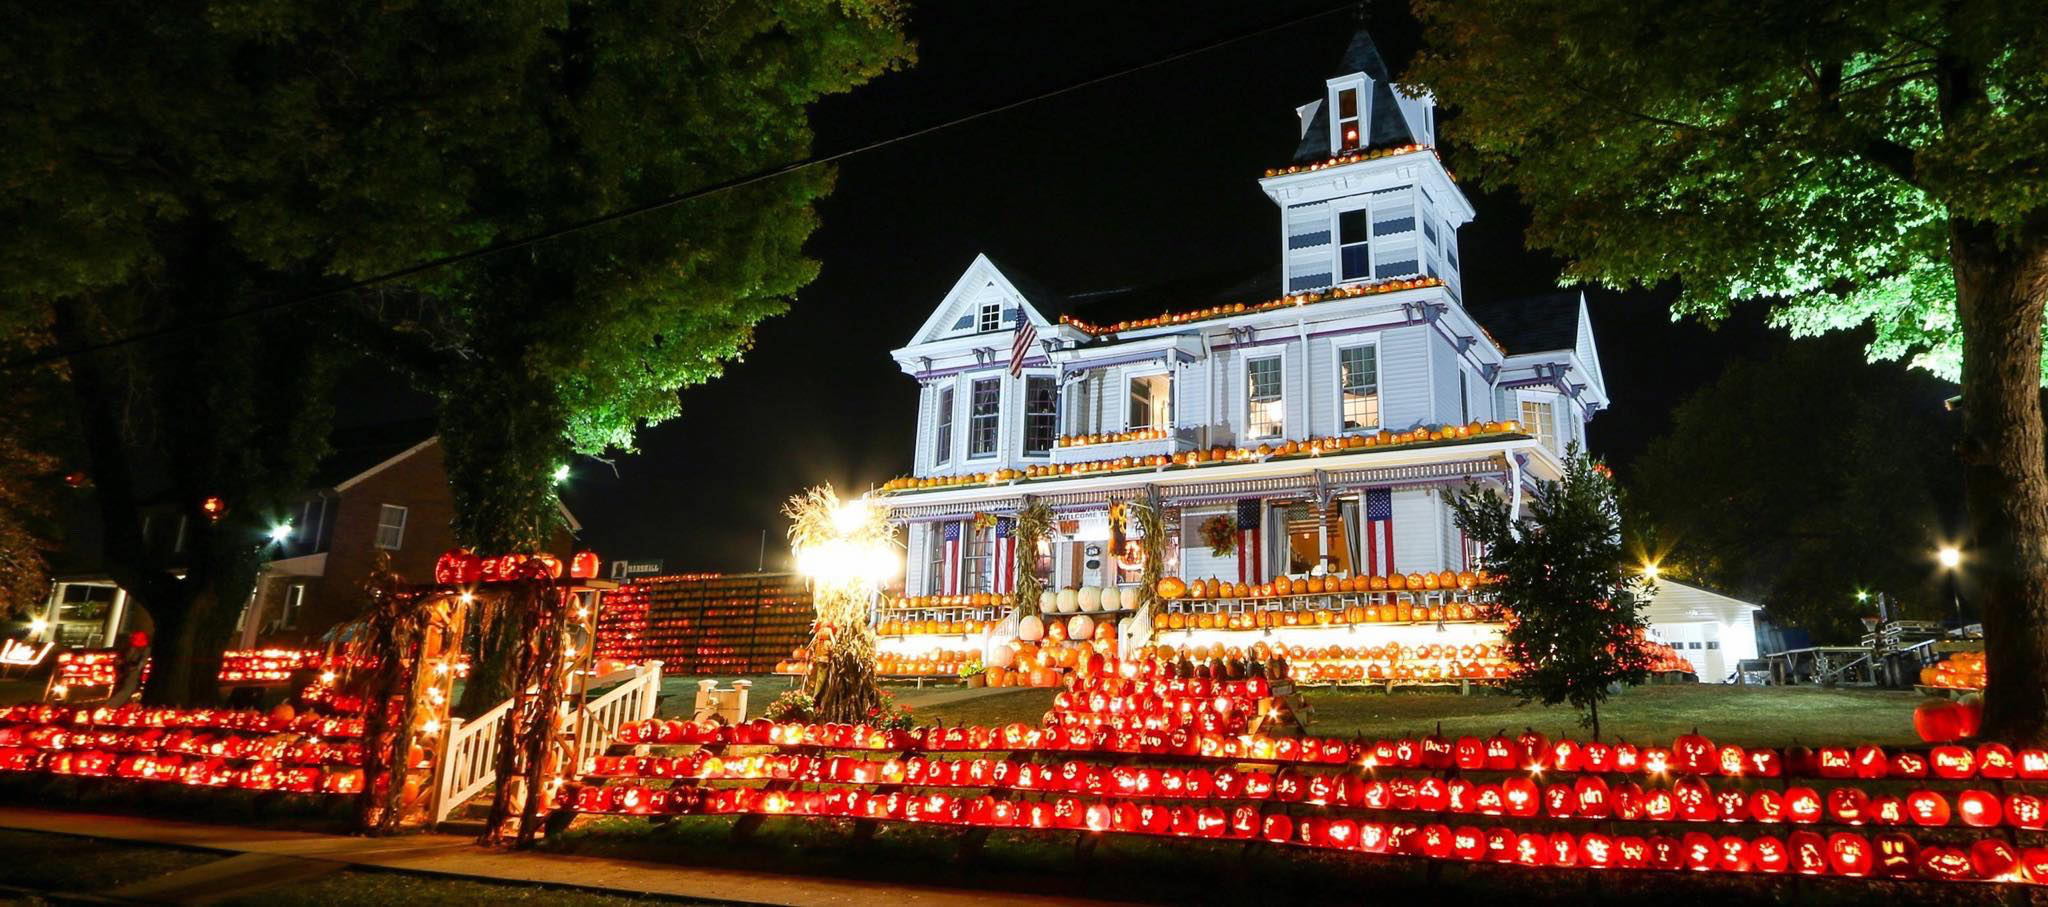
(1745, 715)
(1191, 871)
(370, 887)
(1748, 715)
(49, 862)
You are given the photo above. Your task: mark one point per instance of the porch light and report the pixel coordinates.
(1650, 570)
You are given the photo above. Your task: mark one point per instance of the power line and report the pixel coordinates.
(651, 206)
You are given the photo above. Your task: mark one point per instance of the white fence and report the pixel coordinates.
(469, 750)
(468, 759)
(632, 700)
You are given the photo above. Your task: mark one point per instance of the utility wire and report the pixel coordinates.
(651, 206)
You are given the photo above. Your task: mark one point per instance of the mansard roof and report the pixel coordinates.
(1387, 127)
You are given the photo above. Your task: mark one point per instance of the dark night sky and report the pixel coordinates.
(1130, 182)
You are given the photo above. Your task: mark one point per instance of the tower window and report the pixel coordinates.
(1350, 129)
(1354, 246)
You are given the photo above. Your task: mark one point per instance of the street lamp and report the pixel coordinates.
(1650, 570)
(280, 533)
(1951, 558)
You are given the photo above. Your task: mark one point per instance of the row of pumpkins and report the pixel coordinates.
(1356, 614)
(894, 627)
(1347, 291)
(936, 663)
(975, 600)
(1313, 446)
(1173, 588)
(1960, 671)
(1089, 598)
(1114, 437)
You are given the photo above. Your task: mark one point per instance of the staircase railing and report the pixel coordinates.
(468, 759)
(469, 751)
(633, 699)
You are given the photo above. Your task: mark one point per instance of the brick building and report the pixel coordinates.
(377, 492)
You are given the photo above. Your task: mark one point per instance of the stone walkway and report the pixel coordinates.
(263, 857)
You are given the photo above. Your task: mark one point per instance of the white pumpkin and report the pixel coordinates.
(1002, 656)
(1110, 596)
(1129, 598)
(1031, 629)
(1090, 599)
(1081, 627)
(1067, 601)
(1048, 601)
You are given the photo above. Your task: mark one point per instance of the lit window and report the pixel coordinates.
(1265, 415)
(1151, 403)
(943, 441)
(1537, 418)
(1041, 414)
(985, 398)
(390, 527)
(294, 598)
(991, 317)
(1354, 246)
(1349, 134)
(1358, 376)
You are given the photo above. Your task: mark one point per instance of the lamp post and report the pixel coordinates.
(1951, 558)
(846, 550)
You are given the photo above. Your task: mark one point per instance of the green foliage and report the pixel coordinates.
(170, 165)
(1810, 153)
(1573, 627)
(1797, 499)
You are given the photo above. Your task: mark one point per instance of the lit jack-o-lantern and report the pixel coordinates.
(1926, 807)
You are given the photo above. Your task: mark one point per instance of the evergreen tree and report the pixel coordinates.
(1562, 584)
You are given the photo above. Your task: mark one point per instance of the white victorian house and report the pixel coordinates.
(1327, 411)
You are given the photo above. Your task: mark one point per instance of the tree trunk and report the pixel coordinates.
(1999, 295)
(1594, 716)
(170, 671)
(490, 666)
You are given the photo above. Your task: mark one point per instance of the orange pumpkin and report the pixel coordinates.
(1172, 587)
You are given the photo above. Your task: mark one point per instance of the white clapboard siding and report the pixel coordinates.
(1444, 364)
(1196, 561)
(1404, 378)
(917, 558)
(1418, 537)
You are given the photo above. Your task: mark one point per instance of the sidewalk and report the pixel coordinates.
(285, 854)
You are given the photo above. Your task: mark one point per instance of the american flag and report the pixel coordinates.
(1250, 559)
(1379, 531)
(950, 561)
(1020, 344)
(1005, 581)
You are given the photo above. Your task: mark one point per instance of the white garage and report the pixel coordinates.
(1711, 630)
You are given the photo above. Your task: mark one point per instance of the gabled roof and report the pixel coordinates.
(981, 274)
(1386, 126)
(1682, 603)
(353, 453)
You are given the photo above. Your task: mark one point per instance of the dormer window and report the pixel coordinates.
(1350, 131)
(991, 318)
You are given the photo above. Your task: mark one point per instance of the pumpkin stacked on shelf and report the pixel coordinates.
(1186, 459)
(1217, 589)
(1960, 671)
(1090, 600)
(1166, 749)
(706, 623)
(1049, 648)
